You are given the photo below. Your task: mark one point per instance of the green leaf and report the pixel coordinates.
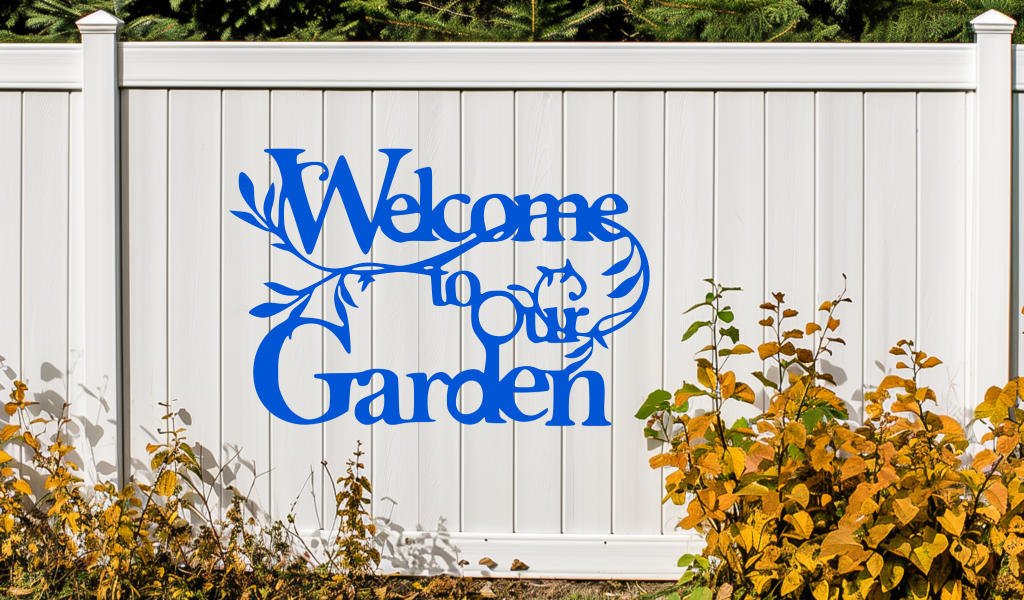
(695, 306)
(795, 453)
(812, 417)
(687, 576)
(672, 596)
(726, 316)
(732, 333)
(835, 413)
(685, 560)
(657, 399)
(701, 561)
(694, 327)
(689, 388)
(764, 380)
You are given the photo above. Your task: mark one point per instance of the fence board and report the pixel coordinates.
(396, 125)
(941, 245)
(789, 228)
(839, 210)
(194, 214)
(10, 244)
(890, 223)
(538, 448)
(246, 264)
(488, 152)
(44, 268)
(440, 334)
(144, 194)
(78, 289)
(296, 121)
(639, 179)
(347, 132)
(689, 239)
(739, 214)
(587, 452)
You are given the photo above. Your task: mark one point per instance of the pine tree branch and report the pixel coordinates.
(629, 9)
(693, 7)
(784, 31)
(415, 25)
(449, 11)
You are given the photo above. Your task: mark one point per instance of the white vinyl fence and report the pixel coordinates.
(127, 282)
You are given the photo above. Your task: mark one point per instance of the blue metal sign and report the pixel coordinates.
(594, 223)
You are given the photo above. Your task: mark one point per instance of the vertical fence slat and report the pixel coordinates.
(739, 216)
(839, 198)
(439, 339)
(488, 152)
(941, 245)
(396, 315)
(538, 448)
(10, 244)
(194, 213)
(639, 179)
(347, 132)
(77, 282)
(144, 194)
(890, 224)
(789, 203)
(296, 121)
(246, 267)
(587, 473)
(44, 268)
(689, 239)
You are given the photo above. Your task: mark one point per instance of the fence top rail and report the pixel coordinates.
(369, 65)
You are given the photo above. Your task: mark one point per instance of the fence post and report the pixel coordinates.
(102, 246)
(992, 206)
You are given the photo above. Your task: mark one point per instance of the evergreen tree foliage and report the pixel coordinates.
(54, 21)
(513, 20)
(730, 21)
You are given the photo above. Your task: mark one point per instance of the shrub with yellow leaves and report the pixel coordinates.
(159, 540)
(800, 503)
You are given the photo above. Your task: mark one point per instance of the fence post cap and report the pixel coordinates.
(101, 22)
(993, 21)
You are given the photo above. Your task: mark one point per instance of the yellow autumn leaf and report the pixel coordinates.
(768, 349)
(738, 460)
(166, 483)
(932, 544)
(802, 524)
(4, 457)
(952, 522)
(792, 582)
(8, 432)
(953, 590)
(801, 494)
(905, 510)
(875, 564)
(820, 590)
(728, 382)
(741, 349)
(22, 486)
(753, 489)
(892, 574)
(996, 495)
(918, 588)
